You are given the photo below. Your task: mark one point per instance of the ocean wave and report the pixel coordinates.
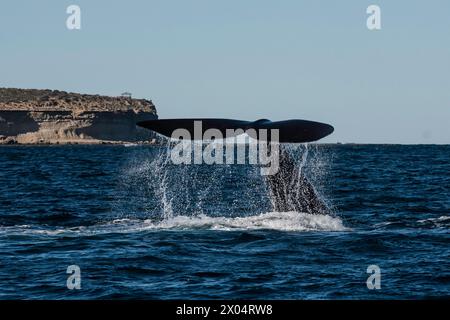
(280, 221)
(441, 222)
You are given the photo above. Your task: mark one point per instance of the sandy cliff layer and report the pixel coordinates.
(45, 116)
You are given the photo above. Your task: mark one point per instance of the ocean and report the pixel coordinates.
(136, 226)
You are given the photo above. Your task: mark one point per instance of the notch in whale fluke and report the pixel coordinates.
(290, 131)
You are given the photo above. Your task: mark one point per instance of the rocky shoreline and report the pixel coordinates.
(31, 116)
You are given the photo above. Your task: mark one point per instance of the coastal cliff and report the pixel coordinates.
(30, 116)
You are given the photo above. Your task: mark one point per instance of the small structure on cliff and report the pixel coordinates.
(51, 116)
(127, 95)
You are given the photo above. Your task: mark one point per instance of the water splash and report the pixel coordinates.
(155, 188)
(279, 221)
(292, 187)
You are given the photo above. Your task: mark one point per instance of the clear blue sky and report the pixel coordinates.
(247, 59)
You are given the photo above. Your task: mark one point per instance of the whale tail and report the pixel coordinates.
(290, 131)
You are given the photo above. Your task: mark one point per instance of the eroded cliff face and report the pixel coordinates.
(45, 116)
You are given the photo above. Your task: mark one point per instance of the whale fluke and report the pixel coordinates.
(290, 131)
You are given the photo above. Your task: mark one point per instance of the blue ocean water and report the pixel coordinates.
(141, 228)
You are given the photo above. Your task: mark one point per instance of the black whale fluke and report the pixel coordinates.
(290, 131)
